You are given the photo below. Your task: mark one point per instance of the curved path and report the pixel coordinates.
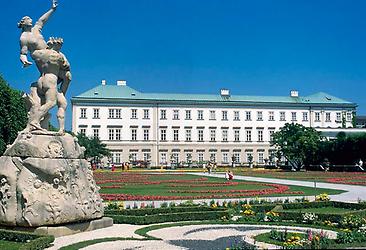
(181, 237)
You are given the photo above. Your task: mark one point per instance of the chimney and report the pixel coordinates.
(104, 82)
(294, 93)
(121, 82)
(225, 93)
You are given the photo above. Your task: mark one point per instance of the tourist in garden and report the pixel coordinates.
(231, 175)
(227, 175)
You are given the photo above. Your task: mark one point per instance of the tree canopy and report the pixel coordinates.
(298, 144)
(346, 149)
(13, 116)
(94, 148)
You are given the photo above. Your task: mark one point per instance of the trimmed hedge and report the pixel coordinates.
(169, 217)
(165, 210)
(31, 241)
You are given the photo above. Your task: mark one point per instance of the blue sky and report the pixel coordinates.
(257, 47)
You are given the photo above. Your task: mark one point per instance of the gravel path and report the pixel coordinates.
(117, 230)
(353, 194)
(201, 237)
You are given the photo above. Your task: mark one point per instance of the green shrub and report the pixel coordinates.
(164, 210)
(31, 241)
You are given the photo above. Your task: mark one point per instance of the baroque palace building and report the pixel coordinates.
(165, 128)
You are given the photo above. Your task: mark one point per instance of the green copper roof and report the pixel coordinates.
(116, 92)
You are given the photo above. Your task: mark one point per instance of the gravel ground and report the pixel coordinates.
(200, 237)
(117, 230)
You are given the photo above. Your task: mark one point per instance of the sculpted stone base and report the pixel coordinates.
(74, 228)
(49, 188)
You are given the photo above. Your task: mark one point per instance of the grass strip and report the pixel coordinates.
(86, 243)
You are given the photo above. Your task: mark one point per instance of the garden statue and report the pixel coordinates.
(53, 67)
(44, 180)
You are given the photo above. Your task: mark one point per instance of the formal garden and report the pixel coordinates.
(124, 186)
(321, 224)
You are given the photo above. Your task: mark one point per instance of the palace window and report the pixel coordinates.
(212, 115)
(163, 134)
(200, 115)
(96, 132)
(188, 115)
(224, 115)
(236, 116)
(213, 135)
(111, 113)
(282, 116)
(133, 113)
(304, 116)
(224, 135)
(260, 135)
(133, 134)
(146, 134)
(83, 113)
(175, 134)
(248, 135)
(259, 116)
(188, 135)
(162, 114)
(248, 116)
(175, 114)
(236, 135)
(111, 134)
(293, 116)
(317, 116)
(118, 113)
(95, 113)
(200, 135)
(271, 116)
(327, 116)
(146, 114)
(118, 134)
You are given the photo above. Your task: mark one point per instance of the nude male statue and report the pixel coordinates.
(53, 67)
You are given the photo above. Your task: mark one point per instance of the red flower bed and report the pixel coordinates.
(349, 180)
(128, 179)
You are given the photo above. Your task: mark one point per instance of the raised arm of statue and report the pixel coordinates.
(43, 19)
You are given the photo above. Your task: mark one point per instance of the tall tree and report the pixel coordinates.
(94, 148)
(298, 144)
(13, 112)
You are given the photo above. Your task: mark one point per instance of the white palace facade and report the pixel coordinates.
(162, 127)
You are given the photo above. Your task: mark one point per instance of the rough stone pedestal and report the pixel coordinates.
(74, 228)
(44, 181)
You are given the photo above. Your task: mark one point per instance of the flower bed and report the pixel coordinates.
(354, 180)
(126, 186)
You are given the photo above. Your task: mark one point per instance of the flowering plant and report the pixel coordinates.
(309, 218)
(322, 197)
(352, 221)
(271, 216)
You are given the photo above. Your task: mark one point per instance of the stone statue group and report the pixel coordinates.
(55, 76)
(44, 178)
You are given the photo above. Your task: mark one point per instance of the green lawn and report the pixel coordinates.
(142, 185)
(10, 245)
(266, 238)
